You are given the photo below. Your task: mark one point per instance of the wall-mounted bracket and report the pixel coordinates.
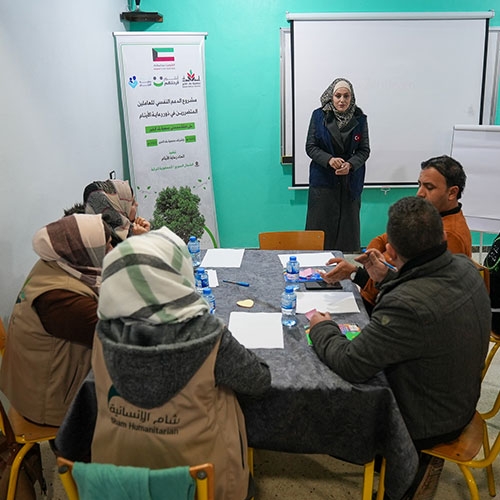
(139, 16)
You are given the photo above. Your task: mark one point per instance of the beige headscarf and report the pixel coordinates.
(77, 243)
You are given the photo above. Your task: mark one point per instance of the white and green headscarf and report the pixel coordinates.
(150, 278)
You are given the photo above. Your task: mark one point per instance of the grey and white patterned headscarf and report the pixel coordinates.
(150, 278)
(114, 199)
(342, 118)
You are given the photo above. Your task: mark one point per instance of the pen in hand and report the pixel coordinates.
(386, 264)
(390, 266)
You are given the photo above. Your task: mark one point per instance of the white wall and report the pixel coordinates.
(59, 118)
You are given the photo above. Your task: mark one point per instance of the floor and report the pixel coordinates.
(320, 477)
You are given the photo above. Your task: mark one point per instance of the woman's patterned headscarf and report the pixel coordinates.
(77, 243)
(150, 278)
(113, 199)
(344, 117)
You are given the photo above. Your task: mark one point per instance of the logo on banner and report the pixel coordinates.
(157, 81)
(132, 81)
(191, 80)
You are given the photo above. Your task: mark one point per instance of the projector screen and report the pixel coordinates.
(414, 75)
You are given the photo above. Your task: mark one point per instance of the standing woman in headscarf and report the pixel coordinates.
(338, 145)
(115, 200)
(166, 370)
(51, 329)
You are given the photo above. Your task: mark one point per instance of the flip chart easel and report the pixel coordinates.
(477, 148)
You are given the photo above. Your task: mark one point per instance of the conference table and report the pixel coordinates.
(309, 408)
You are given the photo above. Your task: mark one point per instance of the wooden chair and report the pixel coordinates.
(464, 450)
(292, 240)
(202, 474)
(3, 337)
(485, 274)
(21, 435)
(494, 338)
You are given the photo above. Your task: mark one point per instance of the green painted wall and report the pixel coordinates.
(243, 93)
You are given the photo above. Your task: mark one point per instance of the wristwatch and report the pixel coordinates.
(353, 274)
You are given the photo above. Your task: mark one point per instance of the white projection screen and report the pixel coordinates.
(415, 75)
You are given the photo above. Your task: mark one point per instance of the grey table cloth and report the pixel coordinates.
(309, 408)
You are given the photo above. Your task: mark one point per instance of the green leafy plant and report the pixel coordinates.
(178, 209)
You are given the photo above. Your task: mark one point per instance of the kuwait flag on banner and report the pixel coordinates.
(163, 55)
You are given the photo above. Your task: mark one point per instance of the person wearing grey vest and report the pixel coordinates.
(166, 370)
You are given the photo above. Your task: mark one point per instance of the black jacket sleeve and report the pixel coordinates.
(240, 369)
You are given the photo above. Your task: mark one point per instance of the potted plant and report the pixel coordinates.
(178, 209)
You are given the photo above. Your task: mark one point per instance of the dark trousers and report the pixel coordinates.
(429, 467)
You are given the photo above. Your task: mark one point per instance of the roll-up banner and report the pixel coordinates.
(162, 79)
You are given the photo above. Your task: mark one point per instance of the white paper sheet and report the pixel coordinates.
(332, 302)
(223, 257)
(257, 330)
(213, 281)
(308, 259)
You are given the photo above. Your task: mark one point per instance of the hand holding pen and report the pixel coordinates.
(375, 264)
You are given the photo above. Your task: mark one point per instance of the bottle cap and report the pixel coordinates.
(292, 257)
(200, 270)
(289, 289)
(207, 290)
(192, 238)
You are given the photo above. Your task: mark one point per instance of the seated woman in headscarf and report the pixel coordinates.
(115, 200)
(51, 329)
(166, 370)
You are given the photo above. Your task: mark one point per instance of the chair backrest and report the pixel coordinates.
(292, 240)
(3, 337)
(5, 427)
(202, 474)
(485, 274)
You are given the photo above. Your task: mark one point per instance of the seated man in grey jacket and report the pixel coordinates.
(429, 329)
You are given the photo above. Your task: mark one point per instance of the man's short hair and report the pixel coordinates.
(450, 169)
(414, 226)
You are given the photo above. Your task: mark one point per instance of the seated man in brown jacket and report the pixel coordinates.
(441, 181)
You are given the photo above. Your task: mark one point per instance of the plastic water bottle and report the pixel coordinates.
(292, 269)
(288, 306)
(209, 297)
(201, 279)
(194, 249)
